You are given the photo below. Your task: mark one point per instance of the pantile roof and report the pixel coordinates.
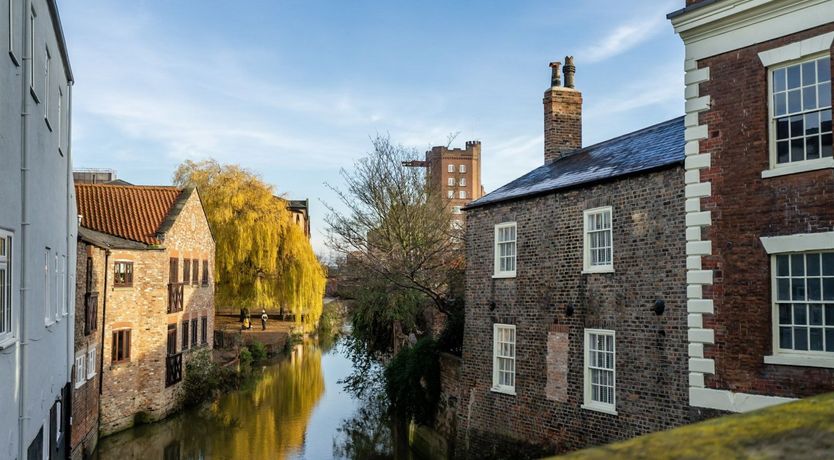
(131, 212)
(650, 148)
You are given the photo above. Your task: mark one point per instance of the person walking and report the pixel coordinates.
(264, 317)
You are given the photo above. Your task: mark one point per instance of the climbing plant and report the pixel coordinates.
(263, 259)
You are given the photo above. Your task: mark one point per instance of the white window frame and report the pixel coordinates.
(60, 121)
(7, 336)
(462, 169)
(586, 237)
(450, 181)
(63, 296)
(12, 52)
(47, 85)
(496, 386)
(774, 60)
(498, 273)
(462, 194)
(91, 362)
(450, 194)
(457, 210)
(80, 370)
(32, 87)
(589, 403)
(462, 182)
(58, 418)
(450, 168)
(57, 289)
(45, 448)
(47, 292)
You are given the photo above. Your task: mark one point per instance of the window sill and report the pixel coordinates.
(34, 95)
(799, 167)
(800, 360)
(505, 391)
(597, 408)
(503, 275)
(48, 124)
(7, 343)
(605, 269)
(15, 60)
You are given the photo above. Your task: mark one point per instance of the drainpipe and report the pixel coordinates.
(72, 248)
(24, 225)
(103, 325)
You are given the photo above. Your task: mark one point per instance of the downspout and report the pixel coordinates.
(103, 326)
(24, 225)
(72, 248)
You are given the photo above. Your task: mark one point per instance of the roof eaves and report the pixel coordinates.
(689, 8)
(107, 241)
(601, 180)
(62, 42)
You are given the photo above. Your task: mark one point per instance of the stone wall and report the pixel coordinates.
(139, 385)
(651, 350)
(744, 206)
(85, 396)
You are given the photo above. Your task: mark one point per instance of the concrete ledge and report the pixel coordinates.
(693, 234)
(733, 402)
(699, 248)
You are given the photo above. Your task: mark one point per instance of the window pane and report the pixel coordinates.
(812, 123)
(825, 121)
(785, 337)
(799, 314)
(829, 340)
(794, 101)
(828, 288)
(782, 128)
(828, 264)
(793, 76)
(812, 262)
(798, 289)
(780, 104)
(784, 313)
(825, 147)
(797, 150)
(797, 125)
(783, 289)
(782, 266)
(812, 148)
(816, 339)
(824, 95)
(800, 339)
(809, 73)
(809, 98)
(814, 289)
(779, 80)
(824, 70)
(816, 314)
(829, 315)
(797, 265)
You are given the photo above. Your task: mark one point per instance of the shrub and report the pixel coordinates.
(258, 351)
(245, 357)
(202, 378)
(412, 381)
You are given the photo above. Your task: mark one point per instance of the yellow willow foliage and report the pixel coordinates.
(263, 260)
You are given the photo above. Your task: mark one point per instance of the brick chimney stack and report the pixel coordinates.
(562, 113)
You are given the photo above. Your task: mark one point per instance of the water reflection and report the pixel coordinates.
(293, 409)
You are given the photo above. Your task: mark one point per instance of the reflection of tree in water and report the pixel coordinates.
(366, 435)
(267, 420)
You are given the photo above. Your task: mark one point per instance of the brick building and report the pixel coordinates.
(157, 298)
(91, 257)
(759, 201)
(575, 329)
(457, 172)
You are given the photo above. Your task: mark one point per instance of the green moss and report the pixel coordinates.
(799, 429)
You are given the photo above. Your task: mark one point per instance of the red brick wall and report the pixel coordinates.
(562, 122)
(745, 207)
(651, 350)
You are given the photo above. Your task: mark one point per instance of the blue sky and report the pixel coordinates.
(295, 89)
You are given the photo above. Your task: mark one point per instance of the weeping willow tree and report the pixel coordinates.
(263, 259)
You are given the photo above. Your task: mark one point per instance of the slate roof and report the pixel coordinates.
(132, 212)
(650, 148)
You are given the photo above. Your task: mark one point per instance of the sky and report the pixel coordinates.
(294, 90)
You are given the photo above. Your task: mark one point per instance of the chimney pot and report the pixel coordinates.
(570, 72)
(555, 74)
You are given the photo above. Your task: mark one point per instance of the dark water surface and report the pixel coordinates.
(293, 409)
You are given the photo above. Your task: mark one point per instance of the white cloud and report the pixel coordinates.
(623, 38)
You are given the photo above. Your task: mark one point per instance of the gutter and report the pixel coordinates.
(103, 324)
(24, 226)
(682, 11)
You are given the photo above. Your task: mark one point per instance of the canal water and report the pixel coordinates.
(293, 409)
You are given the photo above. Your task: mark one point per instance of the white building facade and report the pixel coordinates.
(38, 223)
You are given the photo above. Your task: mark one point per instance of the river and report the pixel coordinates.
(293, 409)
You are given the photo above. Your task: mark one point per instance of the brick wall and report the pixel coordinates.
(139, 385)
(651, 350)
(85, 398)
(744, 207)
(562, 122)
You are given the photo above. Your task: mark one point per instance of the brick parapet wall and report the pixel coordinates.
(651, 350)
(139, 385)
(744, 207)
